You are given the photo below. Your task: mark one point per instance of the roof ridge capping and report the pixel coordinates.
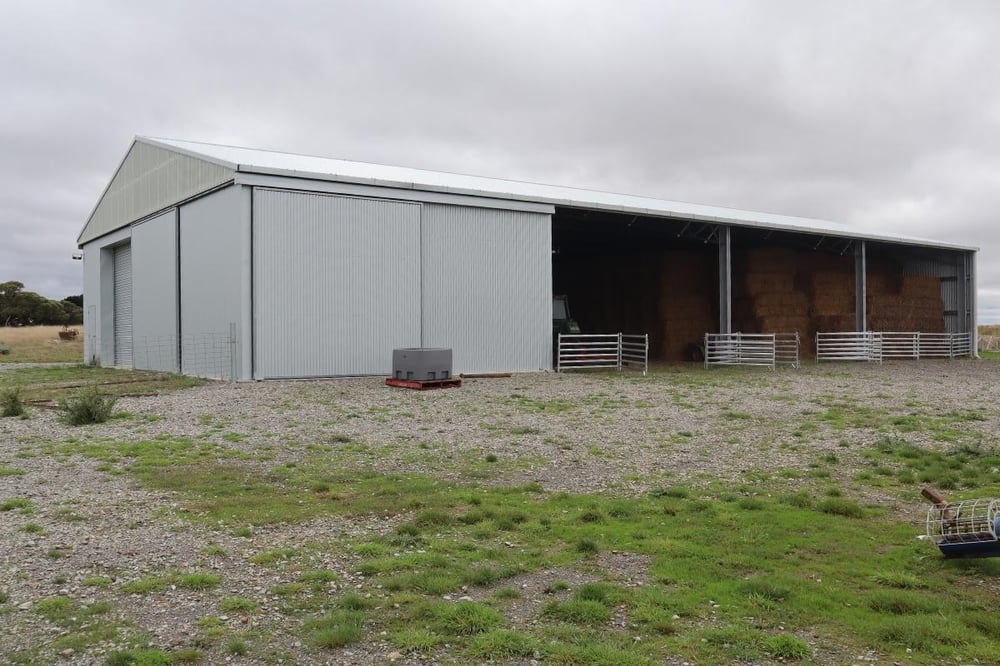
(276, 162)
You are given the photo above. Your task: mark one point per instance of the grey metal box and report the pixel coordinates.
(421, 363)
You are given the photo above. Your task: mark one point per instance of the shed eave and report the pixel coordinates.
(807, 226)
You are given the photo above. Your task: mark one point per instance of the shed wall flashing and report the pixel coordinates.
(387, 192)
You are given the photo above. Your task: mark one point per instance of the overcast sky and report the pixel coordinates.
(877, 114)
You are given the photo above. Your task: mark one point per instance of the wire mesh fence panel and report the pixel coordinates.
(155, 353)
(988, 343)
(208, 355)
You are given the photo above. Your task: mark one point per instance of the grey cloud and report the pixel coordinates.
(882, 115)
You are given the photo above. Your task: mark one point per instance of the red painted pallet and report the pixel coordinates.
(423, 384)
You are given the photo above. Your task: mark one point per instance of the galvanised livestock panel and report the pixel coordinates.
(123, 305)
(336, 283)
(487, 287)
(154, 293)
(211, 252)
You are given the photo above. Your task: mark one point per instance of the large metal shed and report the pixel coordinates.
(225, 261)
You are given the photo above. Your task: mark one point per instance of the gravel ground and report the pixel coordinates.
(575, 433)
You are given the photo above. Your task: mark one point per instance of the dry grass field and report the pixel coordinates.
(40, 344)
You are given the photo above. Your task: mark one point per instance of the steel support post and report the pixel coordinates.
(725, 281)
(860, 287)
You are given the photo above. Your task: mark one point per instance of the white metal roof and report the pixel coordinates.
(250, 160)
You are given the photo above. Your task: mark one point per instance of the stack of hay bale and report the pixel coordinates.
(905, 303)
(830, 282)
(688, 290)
(766, 296)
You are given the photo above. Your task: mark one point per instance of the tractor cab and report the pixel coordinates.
(562, 322)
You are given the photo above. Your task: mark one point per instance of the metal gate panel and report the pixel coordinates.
(336, 283)
(487, 287)
(123, 305)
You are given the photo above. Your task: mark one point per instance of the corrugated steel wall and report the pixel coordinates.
(950, 267)
(123, 305)
(210, 281)
(154, 293)
(336, 283)
(486, 279)
(150, 179)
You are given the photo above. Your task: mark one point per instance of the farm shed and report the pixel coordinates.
(225, 261)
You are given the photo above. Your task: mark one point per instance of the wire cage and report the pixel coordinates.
(966, 529)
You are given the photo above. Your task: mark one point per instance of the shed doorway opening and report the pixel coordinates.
(634, 274)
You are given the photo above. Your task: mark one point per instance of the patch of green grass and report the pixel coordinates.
(146, 585)
(335, 630)
(81, 625)
(214, 550)
(188, 655)
(900, 579)
(676, 492)
(32, 528)
(463, 618)
(97, 581)
(934, 634)
(198, 581)
(578, 611)
(507, 592)
(139, 657)
(841, 507)
(270, 557)
(898, 602)
(239, 605)
(502, 644)
(415, 640)
(786, 647)
(22, 504)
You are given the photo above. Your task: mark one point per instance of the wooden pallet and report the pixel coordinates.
(423, 384)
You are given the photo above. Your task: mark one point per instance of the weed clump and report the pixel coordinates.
(578, 611)
(11, 402)
(336, 629)
(785, 646)
(89, 406)
(840, 507)
(502, 644)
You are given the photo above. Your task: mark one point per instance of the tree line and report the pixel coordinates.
(26, 308)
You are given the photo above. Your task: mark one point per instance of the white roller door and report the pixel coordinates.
(336, 283)
(123, 305)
